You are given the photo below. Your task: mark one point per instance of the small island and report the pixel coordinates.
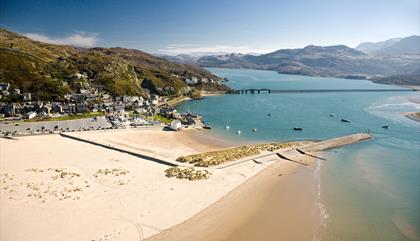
(415, 116)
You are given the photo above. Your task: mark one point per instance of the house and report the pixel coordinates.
(10, 109)
(78, 97)
(70, 108)
(80, 76)
(82, 108)
(56, 108)
(30, 115)
(129, 99)
(27, 96)
(119, 107)
(204, 80)
(4, 86)
(191, 81)
(46, 109)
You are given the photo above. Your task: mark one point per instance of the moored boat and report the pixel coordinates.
(207, 127)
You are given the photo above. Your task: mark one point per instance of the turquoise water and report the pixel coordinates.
(371, 191)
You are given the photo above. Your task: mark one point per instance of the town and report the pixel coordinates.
(17, 108)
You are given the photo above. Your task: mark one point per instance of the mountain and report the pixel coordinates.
(371, 47)
(396, 46)
(48, 71)
(335, 61)
(409, 45)
(181, 58)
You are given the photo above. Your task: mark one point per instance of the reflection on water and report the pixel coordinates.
(370, 190)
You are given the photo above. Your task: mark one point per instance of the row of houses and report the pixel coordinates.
(87, 100)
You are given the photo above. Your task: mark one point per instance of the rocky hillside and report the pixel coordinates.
(48, 71)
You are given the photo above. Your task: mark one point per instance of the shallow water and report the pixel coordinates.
(370, 190)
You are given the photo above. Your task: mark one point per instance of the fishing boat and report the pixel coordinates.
(227, 125)
(206, 127)
(297, 128)
(344, 120)
(385, 126)
(254, 130)
(238, 132)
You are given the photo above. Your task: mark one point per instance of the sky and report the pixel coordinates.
(191, 26)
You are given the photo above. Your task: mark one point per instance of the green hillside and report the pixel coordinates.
(48, 70)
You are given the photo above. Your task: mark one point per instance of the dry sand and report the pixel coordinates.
(55, 188)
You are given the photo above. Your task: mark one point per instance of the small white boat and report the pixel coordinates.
(227, 127)
(238, 132)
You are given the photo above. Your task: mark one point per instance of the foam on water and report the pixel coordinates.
(319, 206)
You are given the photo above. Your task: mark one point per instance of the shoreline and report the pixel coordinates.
(134, 199)
(243, 215)
(104, 205)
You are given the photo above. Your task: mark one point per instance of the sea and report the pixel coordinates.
(367, 191)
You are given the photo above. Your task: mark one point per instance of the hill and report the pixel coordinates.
(371, 47)
(396, 46)
(48, 71)
(336, 61)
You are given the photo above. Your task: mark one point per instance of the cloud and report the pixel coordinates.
(77, 39)
(185, 49)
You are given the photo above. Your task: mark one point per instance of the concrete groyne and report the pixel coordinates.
(307, 150)
(136, 154)
(335, 142)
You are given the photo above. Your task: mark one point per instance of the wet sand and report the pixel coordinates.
(276, 204)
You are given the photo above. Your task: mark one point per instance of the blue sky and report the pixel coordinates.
(175, 26)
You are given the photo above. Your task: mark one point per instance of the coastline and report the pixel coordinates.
(112, 194)
(272, 205)
(135, 200)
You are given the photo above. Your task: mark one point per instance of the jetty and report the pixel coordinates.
(269, 91)
(307, 150)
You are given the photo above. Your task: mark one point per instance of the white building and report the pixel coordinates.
(31, 115)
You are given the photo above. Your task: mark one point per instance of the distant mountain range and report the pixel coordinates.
(395, 46)
(48, 71)
(393, 61)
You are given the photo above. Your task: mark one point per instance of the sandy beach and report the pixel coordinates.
(53, 187)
